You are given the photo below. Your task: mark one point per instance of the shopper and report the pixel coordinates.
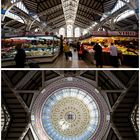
(20, 56)
(114, 55)
(78, 46)
(66, 50)
(98, 55)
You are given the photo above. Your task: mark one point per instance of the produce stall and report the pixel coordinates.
(127, 46)
(39, 49)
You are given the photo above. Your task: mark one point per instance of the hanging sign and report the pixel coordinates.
(122, 33)
(115, 33)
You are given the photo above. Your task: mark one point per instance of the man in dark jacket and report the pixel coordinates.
(98, 55)
(20, 57)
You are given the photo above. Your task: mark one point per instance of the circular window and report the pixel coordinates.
(70, 109)
(70, 114)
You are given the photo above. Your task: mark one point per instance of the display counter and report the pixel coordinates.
(127, 60)
(128, 50)
(38, 49)
(37, 55)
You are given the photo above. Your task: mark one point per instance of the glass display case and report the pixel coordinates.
(31, 52)
(36, 49)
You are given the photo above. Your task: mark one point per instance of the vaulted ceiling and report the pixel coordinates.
(56, 13)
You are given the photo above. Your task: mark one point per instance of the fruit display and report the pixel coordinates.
(120, 42)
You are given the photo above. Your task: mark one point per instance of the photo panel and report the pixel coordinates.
(70, 104)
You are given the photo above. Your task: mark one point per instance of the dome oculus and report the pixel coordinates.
(70, 114)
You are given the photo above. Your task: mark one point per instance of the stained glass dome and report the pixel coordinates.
(70, 109)
(70, 114)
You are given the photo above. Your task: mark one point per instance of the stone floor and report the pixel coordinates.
(73, 62)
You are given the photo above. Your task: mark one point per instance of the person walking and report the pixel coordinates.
(20, 56)
(114, 55)
(98, 55)
(66, 50)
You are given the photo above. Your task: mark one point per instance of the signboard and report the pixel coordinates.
(99, 33)
(34, 33)
(31, 34)
(15, 34)
(122, 33)
(115, 33)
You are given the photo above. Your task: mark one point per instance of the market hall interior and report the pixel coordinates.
(69, 34)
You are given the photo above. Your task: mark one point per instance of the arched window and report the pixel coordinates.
(77, 32)
(69, 31)
(62, 32)
(85, 31)
(36, 29)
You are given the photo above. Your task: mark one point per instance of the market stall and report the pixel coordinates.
(126, 43)
(39, 48)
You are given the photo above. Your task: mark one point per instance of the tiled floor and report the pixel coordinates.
(73, 62)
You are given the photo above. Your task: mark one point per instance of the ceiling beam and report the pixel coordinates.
(82, 22)
(115, 79)
(90, 10)
(115, 14)
(130, 85)
(81, 26)
(114, 91)
(25, 79)
(55, 15)
(59, 25)
(84, 18)
(86, 15)
(116, 131)
(26, 91)
(50, 10)
(11, 87)
(55, 19)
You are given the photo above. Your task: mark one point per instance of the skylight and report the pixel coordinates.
(36, 17)
(119, 5)
(70, 10)
(21, 6)
(13, 16)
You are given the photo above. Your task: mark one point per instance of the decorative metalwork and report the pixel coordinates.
(70, 10)
(70, 114)
(135, 118)
(76, 95)
(5, 119)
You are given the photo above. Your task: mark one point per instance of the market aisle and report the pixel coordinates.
(73, 62)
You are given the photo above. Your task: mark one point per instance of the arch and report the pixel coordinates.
(62, 32)
(77, 32)
(69, 30)
(10, 7)
(13, 20)
(85, 31)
